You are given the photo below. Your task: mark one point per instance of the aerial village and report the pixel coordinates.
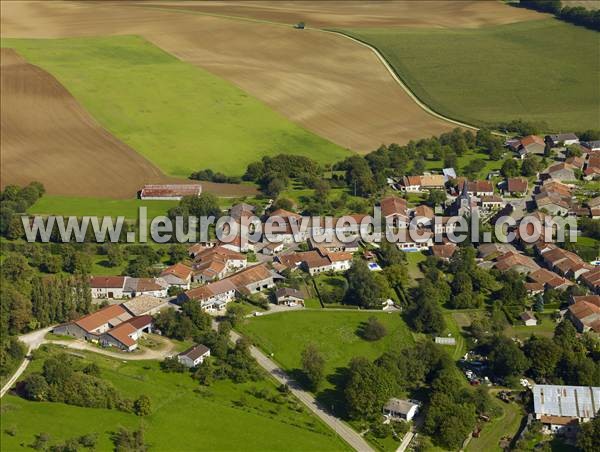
(216, 274)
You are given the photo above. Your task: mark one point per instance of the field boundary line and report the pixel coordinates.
(373, 49)
(398, 79)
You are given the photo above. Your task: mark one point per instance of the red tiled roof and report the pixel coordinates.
(122, 332)
(517, 185)
(107, 282)
(96, 319)
(530, 139)
(179, 270)
(393, 205)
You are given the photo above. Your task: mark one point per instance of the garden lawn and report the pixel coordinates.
(181, 117)
(505, 425)
(413, 260)
(542, 70)
(224, 416)
(335, 333)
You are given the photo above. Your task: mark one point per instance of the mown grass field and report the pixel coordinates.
(181, 117)
(335, 333)
(72, 206)
(185, 415)
(536, 70)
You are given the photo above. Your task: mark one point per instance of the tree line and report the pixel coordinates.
(577, 15)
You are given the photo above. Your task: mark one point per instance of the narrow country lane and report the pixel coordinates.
(347, 433)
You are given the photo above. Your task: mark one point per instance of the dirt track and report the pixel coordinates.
(412, 13)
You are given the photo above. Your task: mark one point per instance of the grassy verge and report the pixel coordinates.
(483, 75)
(179, 116)
(225, 416)
(336, 334)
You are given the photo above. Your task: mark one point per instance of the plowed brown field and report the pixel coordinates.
(410, 13)
(326, 83)
(47, 136)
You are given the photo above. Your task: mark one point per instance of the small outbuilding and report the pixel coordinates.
(398, 409)
(194, 356)
(529, 318)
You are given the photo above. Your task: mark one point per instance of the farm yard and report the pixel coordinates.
(211, 417)
(131, 87)
(492, 82)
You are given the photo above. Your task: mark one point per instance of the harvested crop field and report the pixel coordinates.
(323, 82)
(47, 136)
(484, 76)
(410, 13)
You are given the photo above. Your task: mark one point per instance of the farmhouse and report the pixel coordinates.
(215, 263)
(561, 408)
(398, 409)
(213, 296)
(157, 287)
(560, 171)
(107, 286)
(476, 187)
(194, 356)
(562, 139)
(564, 262)
(178, 275)
(445, 251)
(289, 296)
(272, 248)
(394, 211)
(516, 185)
(91, 326)
(517, 262)
(550, 279)
(253, 279)
(531, 144)
(334, 245)
(592, 279)
(585, 314)
(422, 183)
(126, 335)
(112, 326)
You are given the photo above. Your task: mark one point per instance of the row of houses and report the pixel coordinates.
(584, 312)
(117, 325)
(213, 296)
(127, 287)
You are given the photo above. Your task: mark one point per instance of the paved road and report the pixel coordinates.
(342, 429)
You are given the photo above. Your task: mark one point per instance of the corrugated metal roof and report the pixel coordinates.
(572, 401)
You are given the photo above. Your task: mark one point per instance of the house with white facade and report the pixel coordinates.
(194, 356)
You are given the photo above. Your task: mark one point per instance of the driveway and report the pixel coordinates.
(36, 338)
(348, 434)
(32, 341)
